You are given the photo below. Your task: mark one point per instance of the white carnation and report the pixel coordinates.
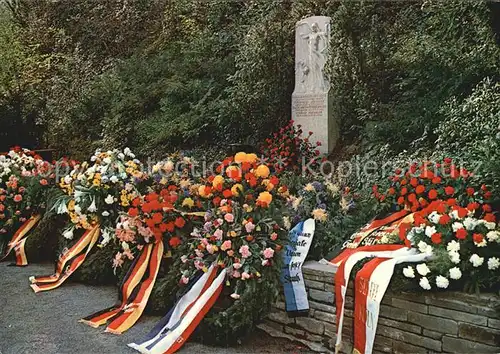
(422, 269)
(430, 230)
(107, 160)
(453, 246)
(454, 257)
(442, 282)
(470, 223)
(457, 226)
(455, 273)
(493, 263)
(476, 260)
(422, 246)
(434, 217)
(424, 283)
(68, 234)
(454, 215)
(114, 179)
(493, 236)
(408, 272)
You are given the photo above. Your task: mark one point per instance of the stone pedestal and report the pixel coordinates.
(311, 103)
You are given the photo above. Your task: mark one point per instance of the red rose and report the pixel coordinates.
(174, 241)
(487, 208)
(433, 194)
(487, 195)
(420, 189)
(489, 217)
(180, 222)
(170, 226)
(391, 191)
(461, 234)
(401, 200)
(470, 191)
(444, 219)
(449, 190)
(414, 182)
(436, 238)
(133, 212)
(404, 191)
(478, 238)
(412, 198)
(436, 180)
(451, 202)
(473, 206)
(227, 193)
(18, 198)
(462, 212)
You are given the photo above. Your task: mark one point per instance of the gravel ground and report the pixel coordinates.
(47, 323)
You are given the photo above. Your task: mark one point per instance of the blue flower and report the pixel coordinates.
(318, 186)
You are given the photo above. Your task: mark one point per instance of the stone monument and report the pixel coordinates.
(311, 104)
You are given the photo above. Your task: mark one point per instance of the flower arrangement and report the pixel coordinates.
(97, 192)
(420, 184)
(463, 244)
(289, 150)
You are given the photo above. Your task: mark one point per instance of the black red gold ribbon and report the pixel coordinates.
(68, 262)
(134, 292)
(19, 239)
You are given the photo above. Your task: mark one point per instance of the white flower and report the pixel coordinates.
(456, 226)
(453, 246)
(67, 179)
(493, 263)
(109, 199)
(408, 272)
(106, 237)
(107, 160)
(125, 246)
(114, 179)
(422, 246)
(68, 234)
(493, 236)
(434, 217)
(105, 213)
(430, 230)
(93, 158)
(78, 209)
(121, 156)
(422, 269)
(424, 283)
(454, 215)
(235, 296)
(470, 223)
(442, 282)
(454, 257)
(286, 222)
(476, 260)
(92, 207)
(455, 273)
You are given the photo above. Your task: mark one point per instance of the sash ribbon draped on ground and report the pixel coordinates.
(68, 262)
(174, 329)
(134, 292)
(370, 286)
(19, 239)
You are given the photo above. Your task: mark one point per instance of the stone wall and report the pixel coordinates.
(408, 323)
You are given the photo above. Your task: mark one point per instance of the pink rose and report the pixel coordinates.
(226, 245)
(230, 253)
(184, 280)
(229, 217)
(218, 234)
(236, 265)
(268, 253)
(249, 226)
(245, 251)
(274, 236)
(245, 276)
(236, 274)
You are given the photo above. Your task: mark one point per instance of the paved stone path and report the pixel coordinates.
(47, 323)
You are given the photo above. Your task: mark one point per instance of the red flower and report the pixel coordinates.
(487, 208)
(420, 189)
(412, 198)
(170, 226)
(478, 238)
(404, 191)
(433, 194)
(444, 219)
(18, 198)
(157, 218)
(136, 201)
(414, 182)
(447, 160)
(470, 191)
(473, 206)
(487, 195)
(451, 202)
(436, 238)
(391, 191)
(216, 201)
(489, 217)
(436, 180)
(449, 190)
(174, 241)
(133, 212)
(401, 200)
(227, 193)
(180, 222)
(462, 212)
(461, 234)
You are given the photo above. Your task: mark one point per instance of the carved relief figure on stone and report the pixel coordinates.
(312, 75)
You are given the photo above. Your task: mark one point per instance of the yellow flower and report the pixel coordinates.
(319, 214)
(309, 187)
(262, 171)
(265, 198)
(188, 202)
(185, 183)
(163, 181)
(268, 184)
(96, 182)
(236, 189)
(232, 233)
(218, 180)
(202, 191)
(251, 158)
(71, 204)
(240, 157)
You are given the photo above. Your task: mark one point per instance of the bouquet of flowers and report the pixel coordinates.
(289, 150)
(97, 192)
(463, 245)
(244, 230)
